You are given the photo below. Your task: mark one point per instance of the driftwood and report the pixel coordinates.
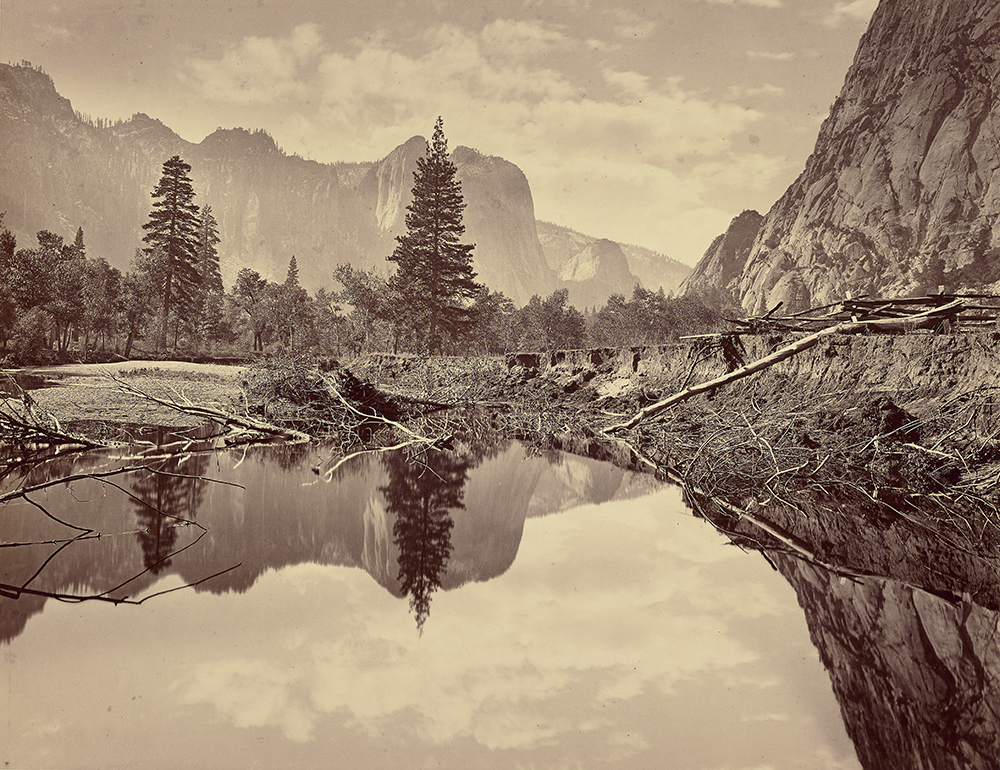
(979, 311)
(226, 419)
(915, 321)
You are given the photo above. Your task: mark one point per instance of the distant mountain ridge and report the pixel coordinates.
(902, 192)
(594, 268)
(60, 171)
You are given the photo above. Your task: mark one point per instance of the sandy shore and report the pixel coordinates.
(82, 393)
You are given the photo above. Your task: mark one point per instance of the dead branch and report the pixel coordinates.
(805, 343)
(226, 419)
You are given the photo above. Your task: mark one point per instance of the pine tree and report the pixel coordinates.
(293, 320)
(212, 290)
(78, 246)
(208, 253)
(434, 279)
(292, 278)
(173, 228)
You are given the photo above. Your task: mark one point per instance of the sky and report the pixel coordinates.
(651, 123)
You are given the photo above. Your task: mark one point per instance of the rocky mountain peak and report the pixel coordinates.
(723, 262)
(902, 192)
(239, 140)
(597, 271)
(394, 183)
(17, 81)
(500, 219)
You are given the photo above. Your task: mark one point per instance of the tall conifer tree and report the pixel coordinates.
(208, 253)
(434, 279)
(173, 229)
(212, 289)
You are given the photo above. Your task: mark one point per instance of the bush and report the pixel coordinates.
(29, 339)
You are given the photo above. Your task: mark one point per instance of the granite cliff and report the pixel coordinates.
(723, 263)
(592, 269)
(902, 192)
(61, 171)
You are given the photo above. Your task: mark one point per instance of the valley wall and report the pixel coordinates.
(902, 192)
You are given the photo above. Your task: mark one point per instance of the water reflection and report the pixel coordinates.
(906, 624)
(164, 498)
(623, 634)
(917, 676)
(421, 493)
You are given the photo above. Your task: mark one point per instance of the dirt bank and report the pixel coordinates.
(883, 431)
(915, 371)
(919, 412)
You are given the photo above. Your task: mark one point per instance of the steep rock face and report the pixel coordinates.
(60, 172)
(269, 206)
(597, 272)
(901, 193)
(645, 266)
(653, 269)
(718, 273)
(917, 676)
(393, 178)
(500, 219)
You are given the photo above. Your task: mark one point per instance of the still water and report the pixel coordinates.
(482, 608)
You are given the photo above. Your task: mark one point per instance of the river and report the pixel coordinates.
(487, 607)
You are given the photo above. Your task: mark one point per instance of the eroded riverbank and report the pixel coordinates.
(875, 454)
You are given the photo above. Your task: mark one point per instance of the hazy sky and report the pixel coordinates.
(650, 123)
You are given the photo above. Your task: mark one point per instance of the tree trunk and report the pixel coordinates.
(165, 321)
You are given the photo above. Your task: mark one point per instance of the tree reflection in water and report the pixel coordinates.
(165, 499)
(421, 492)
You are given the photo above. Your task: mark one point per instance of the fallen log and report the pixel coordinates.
(927, 318)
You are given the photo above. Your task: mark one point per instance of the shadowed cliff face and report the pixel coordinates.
(917, 676)
(723, 263)
(901, 193)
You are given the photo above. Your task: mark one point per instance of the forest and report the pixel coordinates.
(60, 303)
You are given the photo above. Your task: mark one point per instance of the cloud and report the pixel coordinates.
(520, 40)
(631, 26)
(761, 3)
(259, 70)
(771, 55)
(597, 143)
(51, 32)
(856, 12)
(750, 92)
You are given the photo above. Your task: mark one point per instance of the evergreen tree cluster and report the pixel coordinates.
(55, 300)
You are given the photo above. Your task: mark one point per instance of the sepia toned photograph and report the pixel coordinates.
(551, 384)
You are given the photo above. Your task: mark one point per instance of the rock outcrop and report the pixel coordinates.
(723, 263)
(595, 273)
(500, 219)
(61, 171)
(565, 253)
(902, 192)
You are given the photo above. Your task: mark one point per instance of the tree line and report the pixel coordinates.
(56, 301)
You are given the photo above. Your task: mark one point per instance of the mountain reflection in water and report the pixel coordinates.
(629, 636)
